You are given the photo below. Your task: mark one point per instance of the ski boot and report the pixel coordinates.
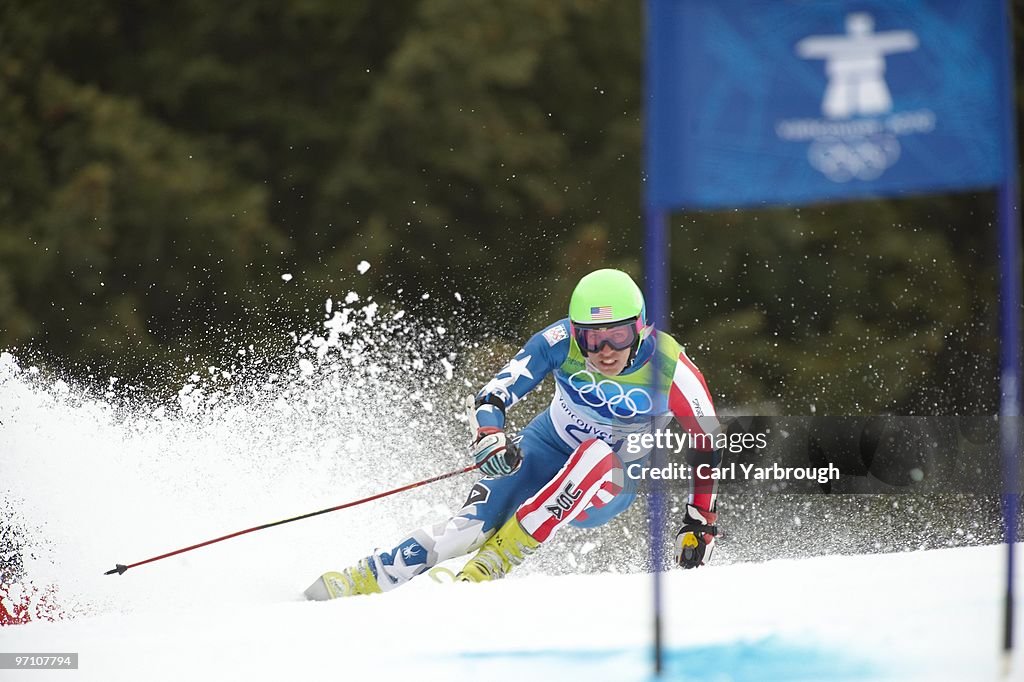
(505, 549)
(358, 579)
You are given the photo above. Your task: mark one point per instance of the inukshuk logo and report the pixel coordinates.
(858, 138)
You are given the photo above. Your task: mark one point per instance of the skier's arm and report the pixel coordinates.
(691, 404)
(496, 454)
(545, 351)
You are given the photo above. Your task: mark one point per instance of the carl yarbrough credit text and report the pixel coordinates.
(734, 471)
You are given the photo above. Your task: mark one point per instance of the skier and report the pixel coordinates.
(567, 466)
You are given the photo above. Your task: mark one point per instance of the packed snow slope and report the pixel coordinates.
(916, 616)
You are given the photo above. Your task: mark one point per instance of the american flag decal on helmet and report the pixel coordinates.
(602, 313)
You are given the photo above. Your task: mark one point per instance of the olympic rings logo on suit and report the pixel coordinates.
(607, 393)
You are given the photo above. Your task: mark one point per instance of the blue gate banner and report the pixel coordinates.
(754, 102)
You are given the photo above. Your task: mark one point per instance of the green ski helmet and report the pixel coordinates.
(607, 308)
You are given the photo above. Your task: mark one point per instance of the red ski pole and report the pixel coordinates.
(121, 568)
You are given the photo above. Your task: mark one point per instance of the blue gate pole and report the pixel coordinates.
(1009, 410)
(1009, 314)
(656, 279)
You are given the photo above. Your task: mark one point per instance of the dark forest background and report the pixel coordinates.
(163, 164)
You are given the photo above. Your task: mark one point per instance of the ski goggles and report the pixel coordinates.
(621, 336)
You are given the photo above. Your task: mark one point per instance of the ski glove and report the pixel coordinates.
(496, 454)
(696, 539)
